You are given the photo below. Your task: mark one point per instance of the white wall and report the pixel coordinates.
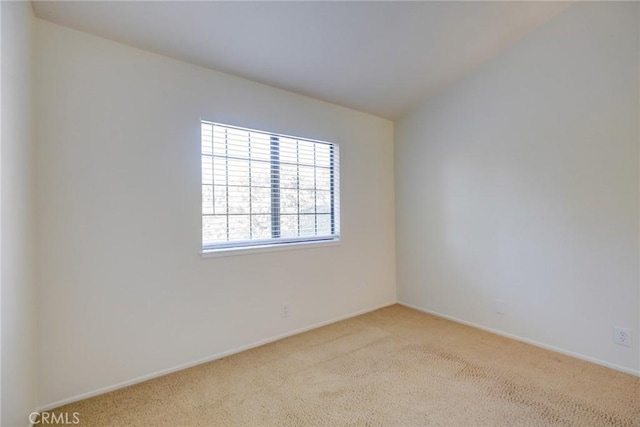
(520, 183)
(123, 291)
(18, 321)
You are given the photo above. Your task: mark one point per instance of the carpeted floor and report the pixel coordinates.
(391, 367)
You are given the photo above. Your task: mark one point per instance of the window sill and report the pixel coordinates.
(217, 253)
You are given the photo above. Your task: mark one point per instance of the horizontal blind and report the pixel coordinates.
(266, 188)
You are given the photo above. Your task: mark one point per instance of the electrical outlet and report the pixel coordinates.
(501, 306)
(284, 309)
(622, 336)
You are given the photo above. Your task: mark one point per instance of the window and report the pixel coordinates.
(261, 188)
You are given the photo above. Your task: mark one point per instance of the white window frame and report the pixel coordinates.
(275, 242)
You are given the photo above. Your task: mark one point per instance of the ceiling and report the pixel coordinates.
(378, 57)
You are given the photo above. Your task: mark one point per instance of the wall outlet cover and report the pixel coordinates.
(501, 306)
(284, 309)
(622, 336)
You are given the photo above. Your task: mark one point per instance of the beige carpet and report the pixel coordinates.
(392, 367)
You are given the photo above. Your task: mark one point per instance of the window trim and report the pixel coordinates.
(278, 247)
(276, 243)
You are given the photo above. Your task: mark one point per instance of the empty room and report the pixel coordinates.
(320, 213)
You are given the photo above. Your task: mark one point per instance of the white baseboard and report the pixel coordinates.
(163, 372)
(526, 340)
